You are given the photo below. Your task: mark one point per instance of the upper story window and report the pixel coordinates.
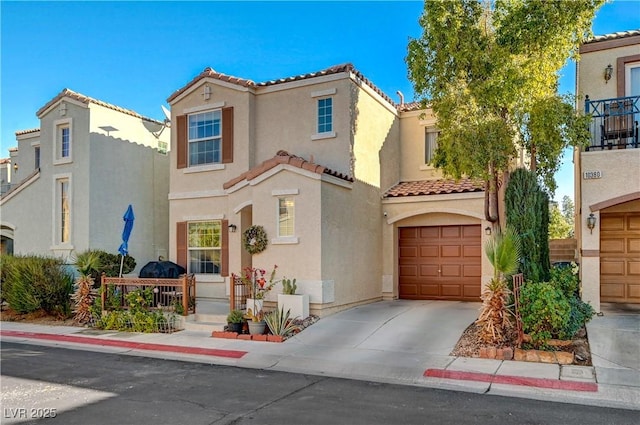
(325, 115)
(62, 211)
(205, 138)
(36, 153)
(204, 239)
(430, 144)
(63, 151)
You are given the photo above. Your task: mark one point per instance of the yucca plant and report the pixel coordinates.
(85, 295)
(503, 251)
(279, 322)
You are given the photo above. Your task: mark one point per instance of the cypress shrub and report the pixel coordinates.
(527, 213)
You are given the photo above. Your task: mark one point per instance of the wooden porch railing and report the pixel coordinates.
(166, 292)
(239, 292)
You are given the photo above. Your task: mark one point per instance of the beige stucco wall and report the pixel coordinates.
(412, 141)
(128, 127)
(24, 157)
(620, 169)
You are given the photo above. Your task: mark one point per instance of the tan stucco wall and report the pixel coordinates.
(412, 141)
(620, 168)
(128, 127)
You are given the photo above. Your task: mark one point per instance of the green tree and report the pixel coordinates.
(559, 227)
(489, 70)
(568, 210)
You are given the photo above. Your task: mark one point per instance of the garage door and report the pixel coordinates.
(620, 257)
(440, 263)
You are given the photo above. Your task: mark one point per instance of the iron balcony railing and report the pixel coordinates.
(614, 123)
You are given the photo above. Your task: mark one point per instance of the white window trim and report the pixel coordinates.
(324, 93)
(68, 122)
(627, 76)
(285, 192)
(288, 238)
(332, 132)
(210, 166)
(204, 108)
(327, 135)
(56, 244)
(285, 240)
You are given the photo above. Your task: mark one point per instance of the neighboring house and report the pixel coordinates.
(607, 172)
(337, 175)
(75, 176)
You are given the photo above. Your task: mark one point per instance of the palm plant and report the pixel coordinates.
(279, 322)
(503, 251)
(84, 295)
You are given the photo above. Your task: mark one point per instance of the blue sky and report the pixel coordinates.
(135, 54)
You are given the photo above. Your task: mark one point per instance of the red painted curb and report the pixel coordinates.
(555, 384)
(234, 354)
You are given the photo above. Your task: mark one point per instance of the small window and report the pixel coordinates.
(325, 115)
(285, 217)
(64, 212)
(36, 153)
(430, 145)
(204, 246)
(205, 138)
(63, 142)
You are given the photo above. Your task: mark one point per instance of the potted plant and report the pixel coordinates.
(256, 322)
(234, 321)
(296, 304)
(257, 286)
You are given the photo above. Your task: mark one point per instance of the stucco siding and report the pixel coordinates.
(412, 144)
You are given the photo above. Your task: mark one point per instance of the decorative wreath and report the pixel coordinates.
(255, 239)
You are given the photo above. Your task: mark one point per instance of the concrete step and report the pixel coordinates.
(207, 317)
(204, 326)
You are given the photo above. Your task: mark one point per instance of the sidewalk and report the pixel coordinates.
(398, 342)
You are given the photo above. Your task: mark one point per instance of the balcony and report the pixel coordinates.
(614, 123)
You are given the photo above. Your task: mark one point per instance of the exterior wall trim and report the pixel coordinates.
(614, 201)
(620, 72)
(432, 198)
(241, 206)
(431, 210)
(590, 253)
(197, 195)
(609, 44)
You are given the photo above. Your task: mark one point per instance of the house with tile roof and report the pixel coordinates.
(74, 177)
(338, 176)
(607, 171)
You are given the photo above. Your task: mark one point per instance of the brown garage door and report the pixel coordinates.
(440, 262)
(620, 257)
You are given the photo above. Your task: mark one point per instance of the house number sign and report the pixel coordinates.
(596, 174)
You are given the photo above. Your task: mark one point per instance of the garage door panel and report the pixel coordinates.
(633, 268)
(612, 290)
(633, 222)
(471, 271)
(428, 270)
(428, 232)
(451, 270)
(633, 245)
(611, 222)
(469, 251)
(451, 290)
(451, 251)
(616, 245)
(448, 264)
(408, 271)
(451, 232)
(429, 251)
(612, 267)
(409, 252)
(633, 291)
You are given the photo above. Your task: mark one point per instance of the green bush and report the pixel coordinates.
(545, 311)
(581, 312)
(566, 279)
(31, 283)
(109, 264)
(135, 321)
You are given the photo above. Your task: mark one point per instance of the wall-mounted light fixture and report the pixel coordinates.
(608, 72)
(63, 109)
(15, 167)
(591, 222)
(487, 231)
(232, 228)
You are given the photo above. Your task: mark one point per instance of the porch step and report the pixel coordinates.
(204, 326)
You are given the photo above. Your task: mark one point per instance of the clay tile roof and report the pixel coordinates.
(86, 100)
(5, 160)
(613, 36)
(434, 187)
(411, 106)
(31, 130)
(283, 157)
(336, 69)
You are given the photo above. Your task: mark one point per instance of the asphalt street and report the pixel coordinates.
(49, 385)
